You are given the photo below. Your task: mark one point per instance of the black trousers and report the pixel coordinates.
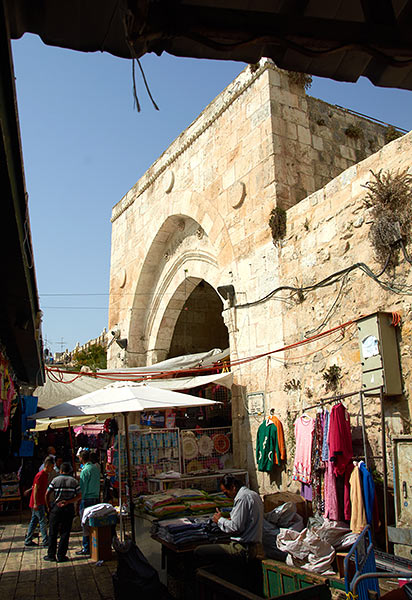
(60, 522)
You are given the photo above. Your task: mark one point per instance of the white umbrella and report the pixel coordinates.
(122, 397)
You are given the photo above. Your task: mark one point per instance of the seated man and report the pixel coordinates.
(245, 527)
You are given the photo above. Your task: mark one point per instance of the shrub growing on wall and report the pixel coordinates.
(390, 199)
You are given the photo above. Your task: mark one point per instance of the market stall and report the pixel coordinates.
(123, 398)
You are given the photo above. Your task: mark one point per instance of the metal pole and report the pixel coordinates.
(363, 428)
(72, 448)
(129, 476)
(120, 483)
(385, 472)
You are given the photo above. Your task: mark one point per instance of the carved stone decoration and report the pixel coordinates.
(166, 256)
(122, 278)
(237, 194)
(181, 224)
(169, 182)
(200, 233)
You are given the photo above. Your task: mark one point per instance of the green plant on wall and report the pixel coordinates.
(390, 199)
(277, 224)
(392, 134)
(354, 132)
(332, 377)
(303, 79)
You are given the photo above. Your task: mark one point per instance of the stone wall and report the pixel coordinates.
(201, 213)
(327, 232)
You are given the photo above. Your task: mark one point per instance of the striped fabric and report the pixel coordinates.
(64, 487)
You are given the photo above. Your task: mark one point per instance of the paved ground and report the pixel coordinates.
(24, 575)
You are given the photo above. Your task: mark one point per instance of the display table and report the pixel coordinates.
(207, 480)
(12, 500)
(177, 560)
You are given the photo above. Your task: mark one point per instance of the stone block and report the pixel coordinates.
(304, 135)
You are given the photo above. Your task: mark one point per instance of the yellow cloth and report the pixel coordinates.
(358, 516)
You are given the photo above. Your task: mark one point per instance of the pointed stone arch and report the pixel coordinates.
(180, 251)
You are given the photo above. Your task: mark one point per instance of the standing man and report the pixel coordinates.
(245, 527)
(37, 504)
(66, 493)
(90, 488)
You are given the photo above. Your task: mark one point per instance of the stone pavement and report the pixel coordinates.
(24, 575)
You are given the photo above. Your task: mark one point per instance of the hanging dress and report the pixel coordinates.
(302, 468)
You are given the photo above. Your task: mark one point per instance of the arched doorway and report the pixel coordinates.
(200, 325)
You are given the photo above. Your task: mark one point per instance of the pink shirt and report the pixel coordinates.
(303, 454)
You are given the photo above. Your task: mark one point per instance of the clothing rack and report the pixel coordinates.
(361, 393)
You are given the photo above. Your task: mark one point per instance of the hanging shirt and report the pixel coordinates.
(368, 486)
(331, 497)
(267, 449)
(339, 439)
(325, 447)
(281, 437)
(303, 452)
(358, 518)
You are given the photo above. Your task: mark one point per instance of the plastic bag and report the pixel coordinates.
(135, 576)
(306, 550)
(285, 516)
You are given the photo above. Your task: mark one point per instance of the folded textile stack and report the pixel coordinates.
(200, 506)
(220, 499)
(179, 502)
(186, 494)
(189, 530)
(152, 502)
(168, 510)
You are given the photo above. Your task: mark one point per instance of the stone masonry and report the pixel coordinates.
(200, 214)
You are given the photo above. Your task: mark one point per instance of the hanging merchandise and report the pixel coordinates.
(267, 449)
(281, 436)
(190, 447)
(213, 448)
(368, 486)
(318, 466)
(8, 393)
(221, 443)
(302, 467)
(339, 439)
(205, 445)
(358, 518)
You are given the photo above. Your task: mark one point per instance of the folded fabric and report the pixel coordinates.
(157, 500)
(168, 509)
(186, 494)
(201, 506)
(98, 510)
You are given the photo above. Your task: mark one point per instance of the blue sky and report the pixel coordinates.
(85, 146)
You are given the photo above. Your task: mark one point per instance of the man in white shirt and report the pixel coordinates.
(245, 527)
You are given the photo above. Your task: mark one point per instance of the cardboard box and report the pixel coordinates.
(101, 542)
(271, 501)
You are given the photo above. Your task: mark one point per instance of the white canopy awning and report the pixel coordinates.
(67, 386)
(122, 397)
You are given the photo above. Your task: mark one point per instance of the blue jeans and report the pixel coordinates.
(85, 504)
(37, 516)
